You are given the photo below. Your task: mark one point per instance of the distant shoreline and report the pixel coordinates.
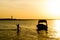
(28, 19)
(20, 19)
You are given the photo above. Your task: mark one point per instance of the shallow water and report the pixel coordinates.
(28, 30)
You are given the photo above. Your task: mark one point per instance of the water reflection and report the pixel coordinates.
(54, 29)
(42, 35)
(57, 28)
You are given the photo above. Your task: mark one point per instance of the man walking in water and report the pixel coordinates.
(17, 29)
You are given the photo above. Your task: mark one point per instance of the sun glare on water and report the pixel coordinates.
(57, 28)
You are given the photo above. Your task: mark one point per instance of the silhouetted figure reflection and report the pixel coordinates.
(41, 26)
(17, 29)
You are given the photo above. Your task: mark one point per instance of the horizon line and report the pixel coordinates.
(30, 18)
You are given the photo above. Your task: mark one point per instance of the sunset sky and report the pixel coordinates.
(30, 9)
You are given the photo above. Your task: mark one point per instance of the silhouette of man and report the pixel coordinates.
(17, 29)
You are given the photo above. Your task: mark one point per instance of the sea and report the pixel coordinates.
(28, 30)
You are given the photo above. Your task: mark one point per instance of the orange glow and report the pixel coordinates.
(30, 9)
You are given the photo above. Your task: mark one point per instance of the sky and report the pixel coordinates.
(30, 9)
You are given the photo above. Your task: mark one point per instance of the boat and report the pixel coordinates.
(42, 25)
